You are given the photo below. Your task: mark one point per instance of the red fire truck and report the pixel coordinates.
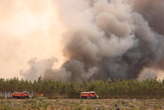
(88, 95)
(20, 95)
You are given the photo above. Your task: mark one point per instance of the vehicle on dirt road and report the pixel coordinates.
(88, 95)
(20, 95)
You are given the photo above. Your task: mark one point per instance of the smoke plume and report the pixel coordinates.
(91, 39)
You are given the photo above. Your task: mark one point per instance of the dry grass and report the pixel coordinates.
(76, 104)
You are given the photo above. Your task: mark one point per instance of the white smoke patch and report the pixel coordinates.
(148, 74)
(38, 68)
(116, 46)
(151, 73)
(45, 69)
(114, 17)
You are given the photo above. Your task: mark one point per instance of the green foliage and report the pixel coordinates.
(105, 89)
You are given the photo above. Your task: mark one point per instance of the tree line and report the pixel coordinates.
(105, 89)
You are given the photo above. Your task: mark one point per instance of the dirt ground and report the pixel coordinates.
(77, 104)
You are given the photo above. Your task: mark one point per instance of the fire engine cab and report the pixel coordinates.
(88, 95)
(20, 95)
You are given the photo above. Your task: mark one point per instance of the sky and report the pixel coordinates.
(28, 29)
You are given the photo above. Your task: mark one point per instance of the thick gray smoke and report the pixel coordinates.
(152, 11)
(109, 39)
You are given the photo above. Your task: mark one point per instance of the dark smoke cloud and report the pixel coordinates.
(113, 39)
(152, 11)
